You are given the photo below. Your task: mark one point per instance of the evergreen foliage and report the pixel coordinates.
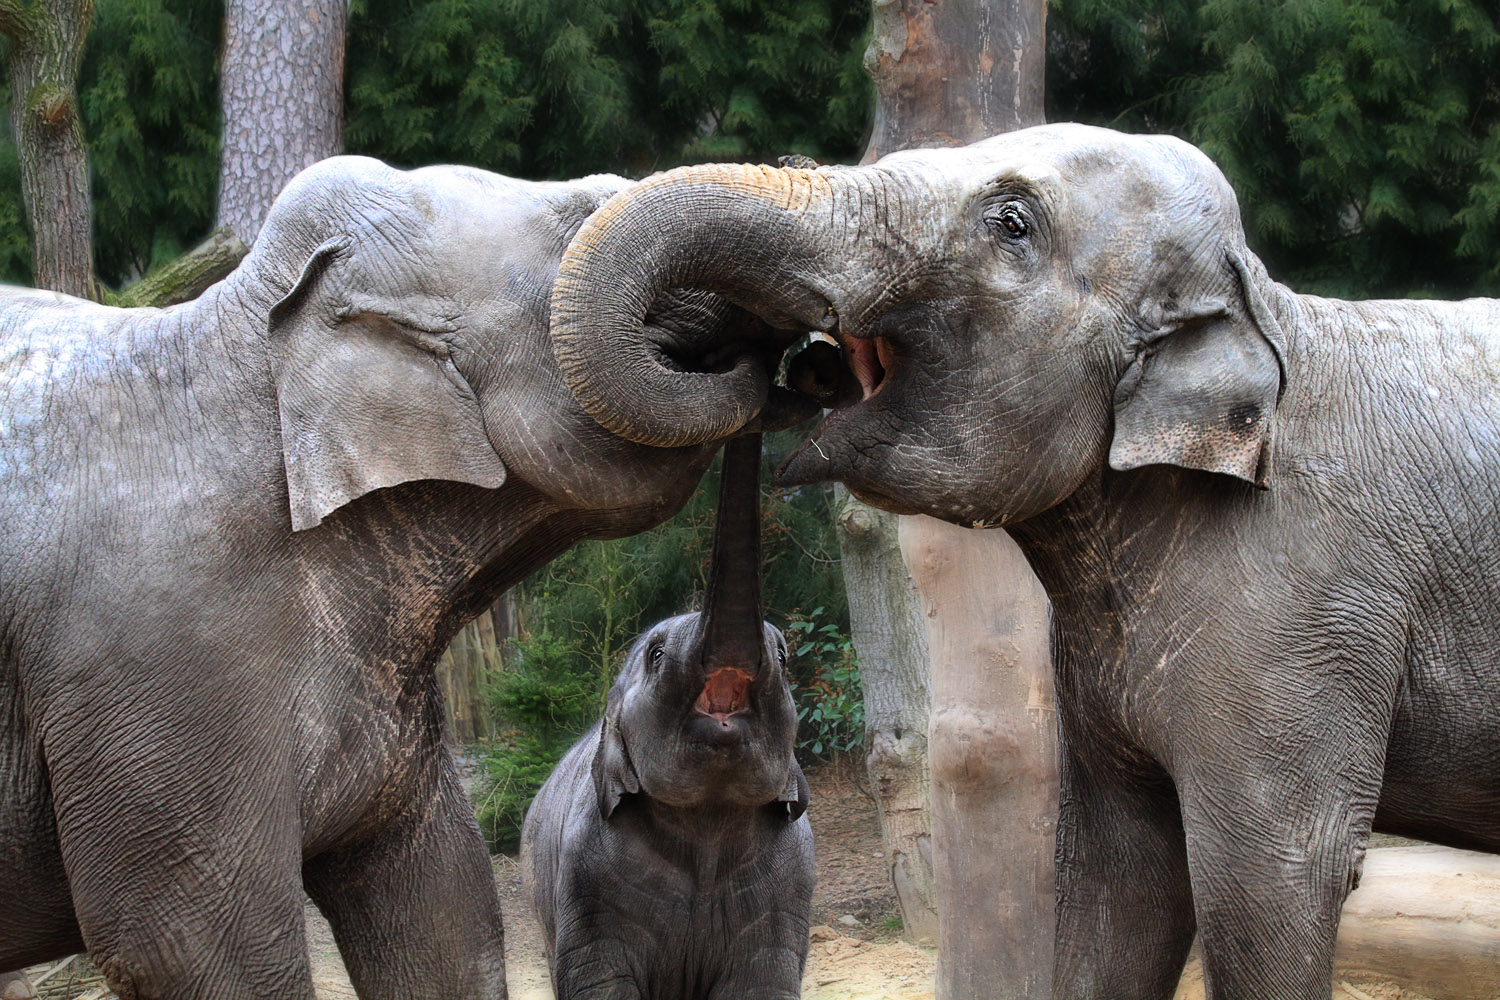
(570, 87)
(1362, 136)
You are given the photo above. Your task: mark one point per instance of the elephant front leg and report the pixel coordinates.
(1273, 857)
(414, 909)
(1124, 912)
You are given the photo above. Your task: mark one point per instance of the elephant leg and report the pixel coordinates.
(414, 908)
(1275, 844)
(193, 895)
(1124, 912)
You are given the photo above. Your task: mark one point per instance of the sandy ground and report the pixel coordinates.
(855, 952)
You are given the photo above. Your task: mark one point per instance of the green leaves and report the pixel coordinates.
(570, 87)
(1356, 132)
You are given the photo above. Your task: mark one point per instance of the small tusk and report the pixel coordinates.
(820, 449)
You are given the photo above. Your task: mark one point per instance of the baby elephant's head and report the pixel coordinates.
(702, 712)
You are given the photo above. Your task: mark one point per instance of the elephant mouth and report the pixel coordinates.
(726, 694)
(839, 370)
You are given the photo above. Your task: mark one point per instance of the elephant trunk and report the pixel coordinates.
(732, 620)
(759, 236)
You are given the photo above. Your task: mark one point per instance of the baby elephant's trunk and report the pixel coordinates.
(732, 632)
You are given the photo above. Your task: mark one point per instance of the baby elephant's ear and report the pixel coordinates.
(796, 794)
(614, 775)
(1202, 392)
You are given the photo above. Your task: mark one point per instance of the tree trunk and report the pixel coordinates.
(467, 666)
(187, 277)
(891, 639)
(283, 101)
(947, 73)
(46, 47)
(994, 759)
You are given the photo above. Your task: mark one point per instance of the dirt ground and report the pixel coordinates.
(855, 954)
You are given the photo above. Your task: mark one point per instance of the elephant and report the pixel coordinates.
(239, 533)
(1268, 523)
(669, 855)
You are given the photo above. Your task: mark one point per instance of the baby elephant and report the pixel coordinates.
(668, 855)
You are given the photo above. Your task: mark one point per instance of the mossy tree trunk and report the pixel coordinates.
(283, 101)
(46, 48)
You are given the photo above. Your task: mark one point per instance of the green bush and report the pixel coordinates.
(544, 703)
(513, 771)
(827, 686)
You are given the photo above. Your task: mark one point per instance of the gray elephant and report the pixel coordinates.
(239, 533)
(1269, 523)
(668, 855)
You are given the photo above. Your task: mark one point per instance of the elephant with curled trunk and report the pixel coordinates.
(668, 856)
(238, 534)
(1269, 524)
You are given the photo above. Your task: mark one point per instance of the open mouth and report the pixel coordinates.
(839, 370)
(725, 695)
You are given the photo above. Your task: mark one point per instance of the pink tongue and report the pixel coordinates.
(727, 692)
(864, 358)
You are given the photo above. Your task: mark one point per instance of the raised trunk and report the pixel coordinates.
(732, 614)
(283, 101)
(46, 47)
(889, 633)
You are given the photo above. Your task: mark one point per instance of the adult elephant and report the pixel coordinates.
(1269, 524)
(239, 533)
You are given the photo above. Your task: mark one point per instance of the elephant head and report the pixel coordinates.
(408, 341)
(701, 715)
(1009, 317)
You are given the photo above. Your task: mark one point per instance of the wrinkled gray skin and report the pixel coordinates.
(668, 855)
(1268, 523)
(238, 534)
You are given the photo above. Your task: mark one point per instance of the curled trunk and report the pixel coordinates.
(756, 235)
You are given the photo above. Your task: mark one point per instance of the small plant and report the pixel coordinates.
(547, 700)
(826, 684)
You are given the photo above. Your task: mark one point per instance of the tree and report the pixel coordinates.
(949, 73)
(46, 46)
(283, 98)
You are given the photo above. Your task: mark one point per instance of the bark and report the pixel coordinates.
(46, 47)
(187, 277)
(947, 73)
(889, 634)
(994, 759)
(469, 664)
(283, 101)
(950, 72)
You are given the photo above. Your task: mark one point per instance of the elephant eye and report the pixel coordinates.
(780, 656)
(656, 654)
(1012, 221)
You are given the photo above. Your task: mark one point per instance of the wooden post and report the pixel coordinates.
(950, 72)
(993, 747)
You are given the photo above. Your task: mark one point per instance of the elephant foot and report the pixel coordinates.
(15, 986)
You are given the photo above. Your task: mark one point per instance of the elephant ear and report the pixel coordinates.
(796, 795)
(367, 389)
(614, 775)
(1202, 392)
